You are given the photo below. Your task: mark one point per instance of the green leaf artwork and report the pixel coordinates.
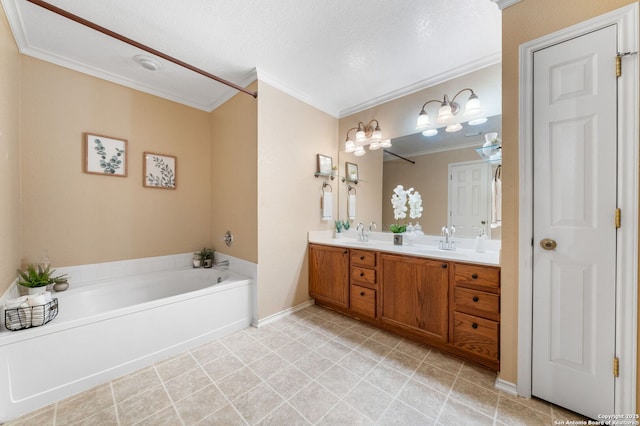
(165, 178)
(108, 165)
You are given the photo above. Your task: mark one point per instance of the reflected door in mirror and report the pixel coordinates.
(469, 198)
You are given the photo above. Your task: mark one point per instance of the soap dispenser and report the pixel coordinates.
(480, 241)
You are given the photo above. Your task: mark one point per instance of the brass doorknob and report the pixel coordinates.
(548, 244)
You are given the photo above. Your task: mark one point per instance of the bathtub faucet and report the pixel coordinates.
(222, 264)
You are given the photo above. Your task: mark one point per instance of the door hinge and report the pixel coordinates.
(619, 62)
(618, 218)
(616, 367)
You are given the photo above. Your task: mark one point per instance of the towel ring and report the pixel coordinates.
(324, 185)
(349, 188)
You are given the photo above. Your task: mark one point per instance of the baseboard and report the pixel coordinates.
(282, 314)
(506, 387)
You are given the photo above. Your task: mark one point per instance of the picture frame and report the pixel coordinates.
(351, 172)
(325, 164)
(159, 170)
(104, 155)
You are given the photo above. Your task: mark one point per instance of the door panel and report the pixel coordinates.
(575, 178)
(469, 198)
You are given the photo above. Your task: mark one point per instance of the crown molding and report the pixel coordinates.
(503, 4)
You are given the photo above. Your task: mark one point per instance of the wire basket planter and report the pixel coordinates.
(32, 316)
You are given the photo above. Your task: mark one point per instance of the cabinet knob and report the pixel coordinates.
(345, 252)
(444, 266)
(362, 293)
(474, 276)
(362, 274)
(475, 298)
(474, 325)
(361, 257)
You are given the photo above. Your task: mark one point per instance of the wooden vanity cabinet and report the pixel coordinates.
(415, 295)
(329, 274)
(364, 283)
(474, 322)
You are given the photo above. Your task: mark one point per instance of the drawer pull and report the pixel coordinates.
(345, 252)
(362, 274)
(444, 266)
(475, 298)
(362, 293)
(474, 325)
(361, 257)
(474, 276)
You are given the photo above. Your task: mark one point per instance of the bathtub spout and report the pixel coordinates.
(222, 263)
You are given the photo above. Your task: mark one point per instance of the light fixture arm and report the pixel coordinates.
(432, 100)
(348, 131)
(456, 95)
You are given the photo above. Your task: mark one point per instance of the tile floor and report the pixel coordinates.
(312, 367)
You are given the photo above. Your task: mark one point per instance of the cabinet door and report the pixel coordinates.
(415, 295)
(329, 274)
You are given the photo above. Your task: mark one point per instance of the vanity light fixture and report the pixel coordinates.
(366, 134)
(447, 114)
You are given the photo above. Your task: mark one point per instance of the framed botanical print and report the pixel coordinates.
(105, 155)
(159, 171)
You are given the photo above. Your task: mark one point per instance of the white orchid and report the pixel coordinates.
(399, 201)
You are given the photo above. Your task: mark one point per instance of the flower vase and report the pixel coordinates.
(398, 239)
(36, 290)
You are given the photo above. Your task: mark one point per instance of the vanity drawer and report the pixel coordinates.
(476, 302)
(475, 334)
(363, 275)
(363, 301)
(363, 258)
(478, 276)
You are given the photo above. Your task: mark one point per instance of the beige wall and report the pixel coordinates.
(82, 218)
(290, 135)
(234, 174)
(398, 118)
(9, 156)
(428, 176)
(523, 22)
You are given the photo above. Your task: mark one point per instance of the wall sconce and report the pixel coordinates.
(447, 114)
(366, 134)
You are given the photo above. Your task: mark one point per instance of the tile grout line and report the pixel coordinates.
(115, 402)
(164, 386)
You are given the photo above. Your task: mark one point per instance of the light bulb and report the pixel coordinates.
(473, 108)
(377, 134)
(359, 152)
(360, 136)
(444, 113)
(423, 120)
(349, 146)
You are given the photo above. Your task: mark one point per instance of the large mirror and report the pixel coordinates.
(453, 177)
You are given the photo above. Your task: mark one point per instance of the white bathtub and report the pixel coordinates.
(112, 327)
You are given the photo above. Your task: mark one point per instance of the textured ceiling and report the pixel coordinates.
(340, 56)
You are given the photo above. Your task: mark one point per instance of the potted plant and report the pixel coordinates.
(339, 225)
(206, 257)
(37, 278)
(403, 200)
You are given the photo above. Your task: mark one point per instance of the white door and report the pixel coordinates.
(574, 202)
(469, 198)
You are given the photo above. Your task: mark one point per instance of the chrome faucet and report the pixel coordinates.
(448, 243)
(362, 237)
(222, 264)
(372, 226)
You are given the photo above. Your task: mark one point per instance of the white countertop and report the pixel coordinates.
(423, 246)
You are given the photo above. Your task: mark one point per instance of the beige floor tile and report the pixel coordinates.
(293, 351)
(350, 338)
(423, 398)
(201, 404)
(333, 351)
(187, 383)
(387, 379)
(269, 365)
(444, 361)
(257, 403)
(209, 352)
(358, 363)
(43, 417)
(369, 400)
(288, 381)
(173, 367)
(511, 412)
(252, 352)
(405, 364)
(284, 415)
(479, 375)
(226, 416)
(296, 330)
(455, 413)
(330, 329)
(413, 349)
(223, 366)
(387, 338)
(313, 321)
(534, 403)
(374, 349)
(314, 339)
(143, 405)
(345, 415)
(313, 364)
(276, 340)
(432, 376)
(166, 417)
(477, 397)
(400, 414)
(365, 329)
(106, 417)
(132, 384)
(313, 402)
(343, 321)
(238, 382)
(338, 380)
(237, 340)
(84, 405)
